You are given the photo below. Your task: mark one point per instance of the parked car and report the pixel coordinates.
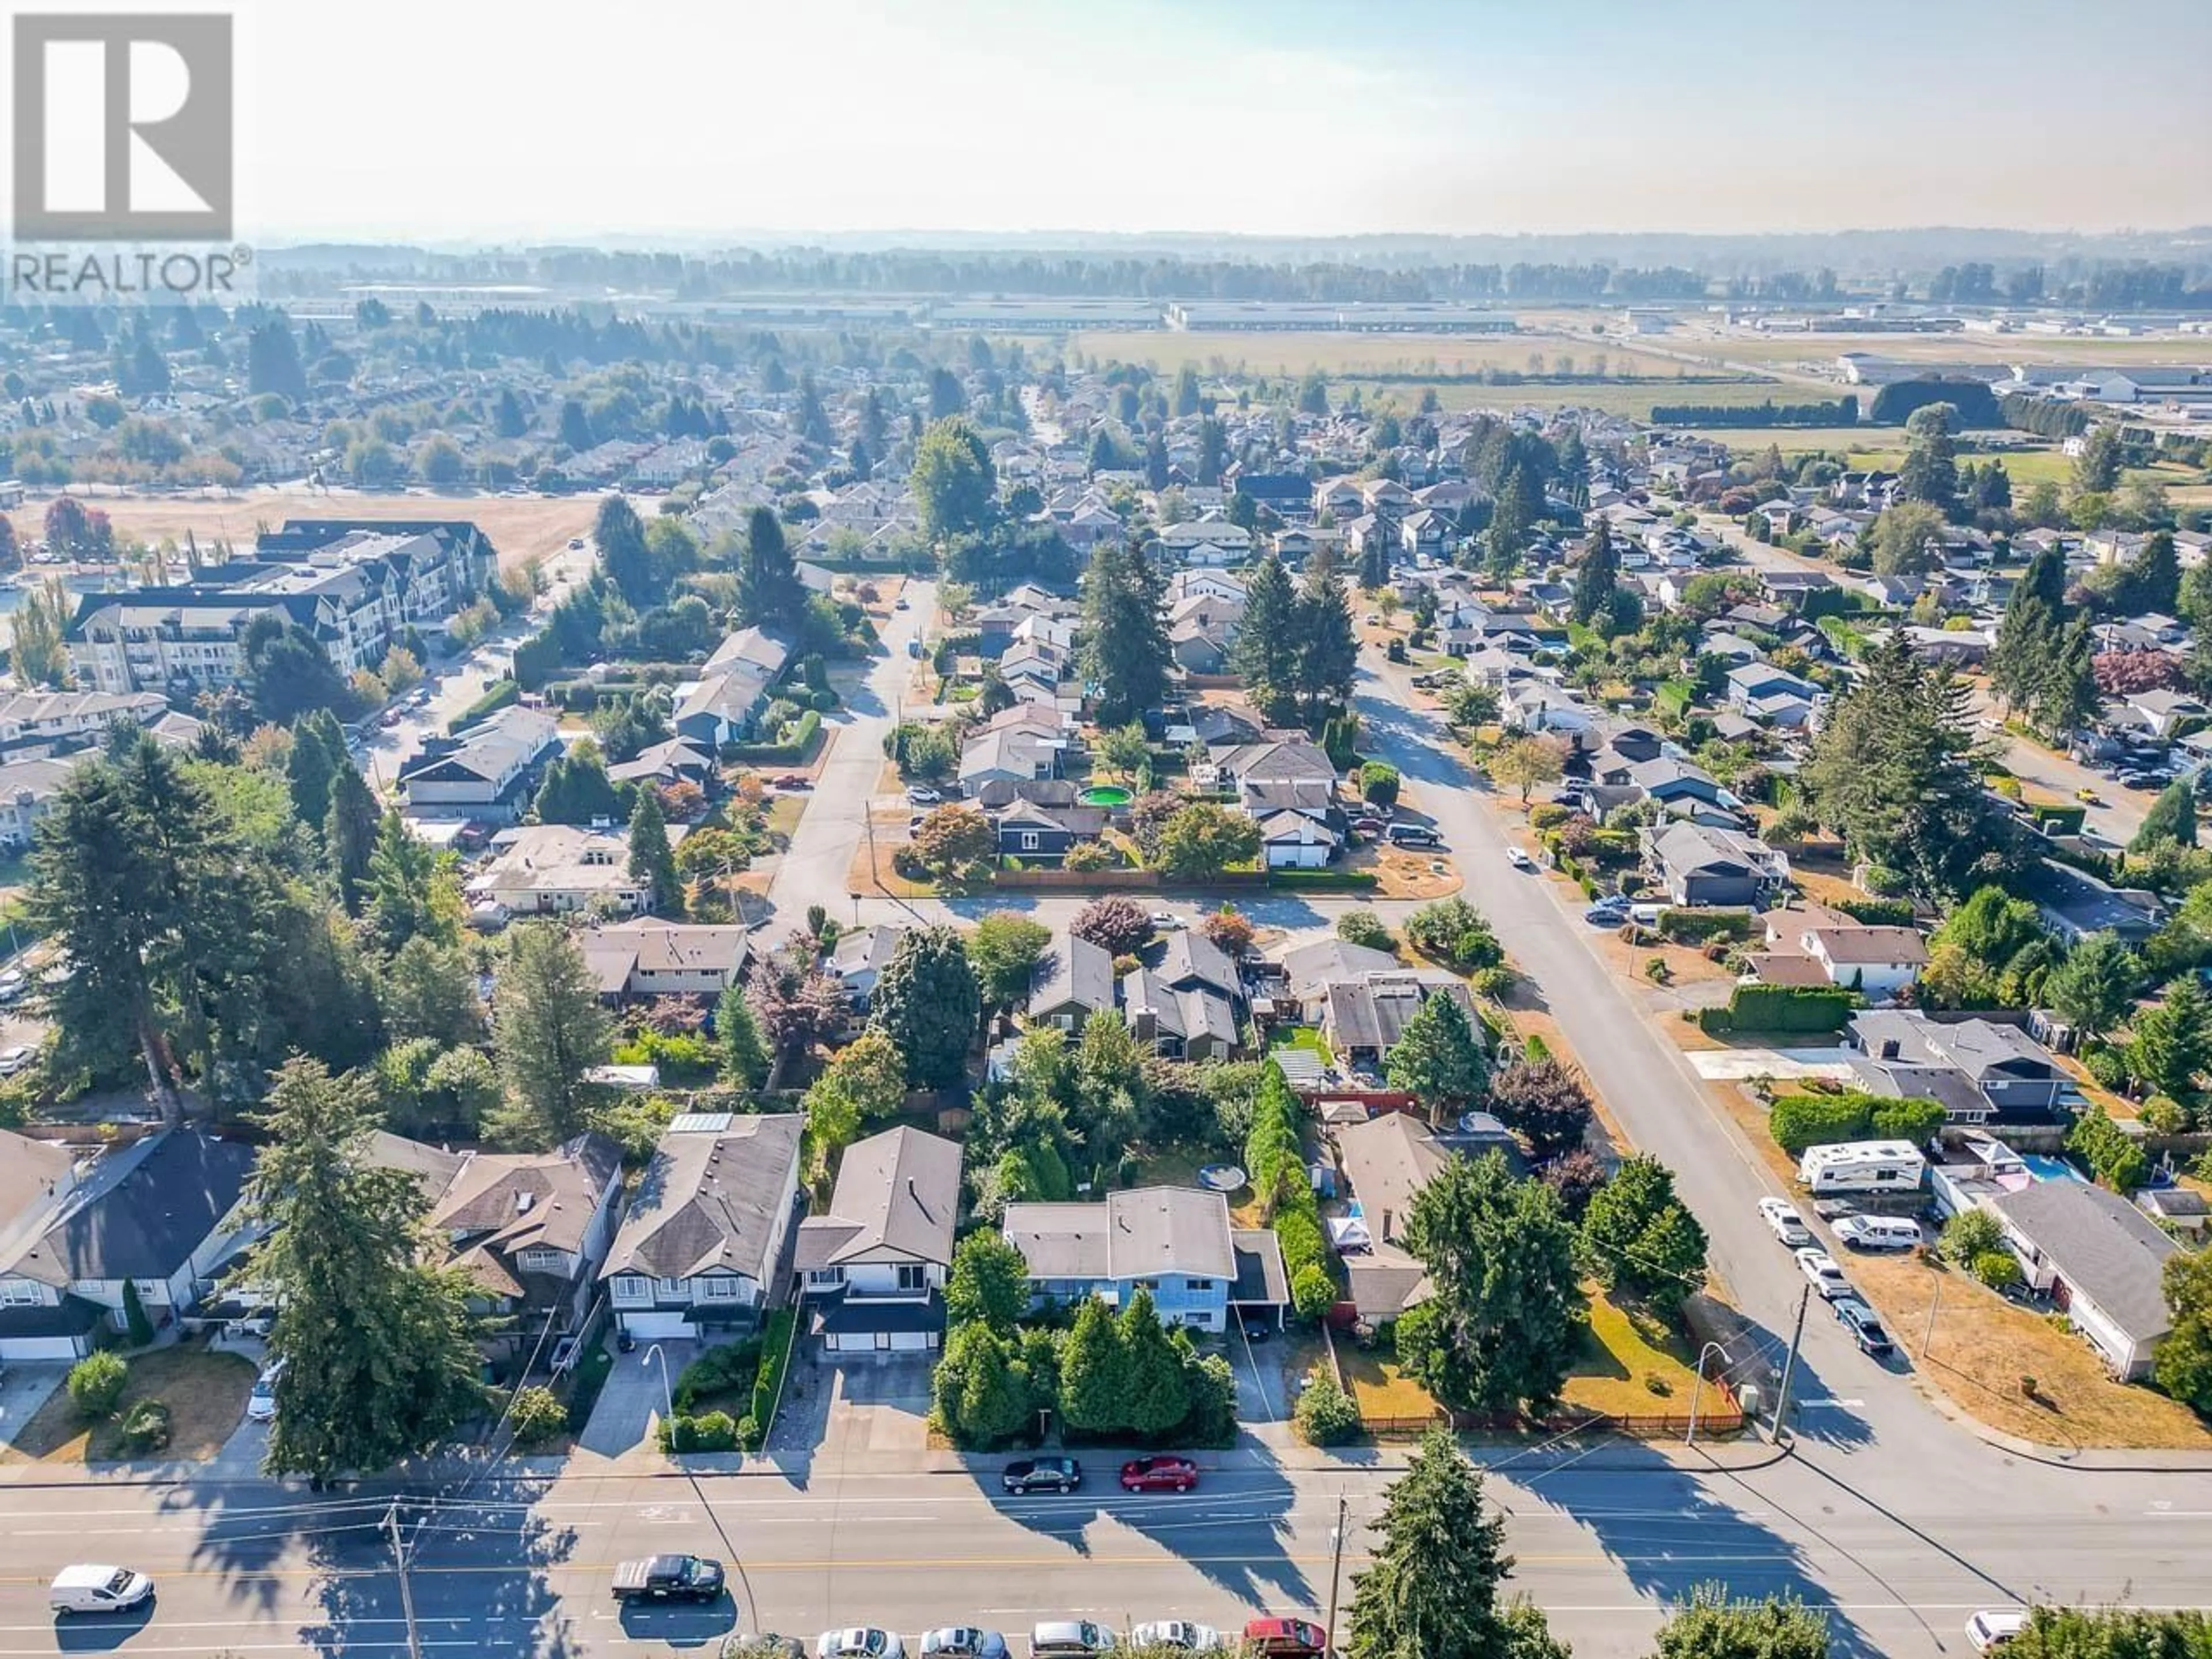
(669, 1578)
(1606, 913)
(792, 781)
(1993, 1627)
(1786, 1223)
(1030, 1474)
(861, 1642)
(1865, 1328)
(1414, 835)
(1158, 1474)
(13, 1058)
(1068, 1638)
(963, 1642)
(1167, 922)
(1176, 1633)
(1369, 826)
(89, 1589)
(1287, 1638)
(576, 543)
(922, 795)
(12, 985)
(1821, 1272)
(1879, 1232)
(261, 1404)
(898, 605)
(1519, 858)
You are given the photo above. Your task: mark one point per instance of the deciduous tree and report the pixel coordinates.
(989, 1282)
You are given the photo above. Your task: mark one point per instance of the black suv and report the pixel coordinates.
(1042, 1474)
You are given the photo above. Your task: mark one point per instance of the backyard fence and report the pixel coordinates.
(1724, 1416)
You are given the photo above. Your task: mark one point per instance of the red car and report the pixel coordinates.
(1158, 1474)
(1285, 1638)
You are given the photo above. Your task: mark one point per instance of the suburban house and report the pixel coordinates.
(703, 1244)
(531, 1228)
(28, 789)
(643, 958)
(1041, 835)
(859, 958)
(1385, 1162)
(1814, 945)
(1012, 754)
(163, 1214)
(1362, 1019)
(37, 718)
(1980, 1069)
(871, 1268)
(1296, 840)
(1760, 688)
(554, 869)
(1700, 865)
(2100, 1259)
(719, 705)
(1075, 982)
(1175, 1242)
(2074, 904)
(486, 772)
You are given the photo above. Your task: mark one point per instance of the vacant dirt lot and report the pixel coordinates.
(520, 527)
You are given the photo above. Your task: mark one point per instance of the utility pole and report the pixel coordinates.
(406, 1588)
(1335, 1567)
(1789, 1365)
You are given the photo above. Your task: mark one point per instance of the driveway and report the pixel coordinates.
(634, 1397)
(23, 1390)
(879, 1403)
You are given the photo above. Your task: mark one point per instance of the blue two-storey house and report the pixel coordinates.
(1174, 1242)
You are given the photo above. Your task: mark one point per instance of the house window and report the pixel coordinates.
(1065, 1022)
(19, 1293)
(668, 1287)
(1147, 1284)
(542, 1260)
(632, 1287)
(912, 1276)
(1029, 841)
(1198, 1283)
(825, 1276)
(153, 1290)
(721, 1289)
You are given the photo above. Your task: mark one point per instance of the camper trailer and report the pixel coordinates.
(1863, 1166)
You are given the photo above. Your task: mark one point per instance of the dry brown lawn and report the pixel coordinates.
(205, 1393)
(1381, 1388)
(1630, 1366)
(1983, 1346)
(520, 527)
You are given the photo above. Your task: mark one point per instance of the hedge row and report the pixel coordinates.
(775, 1353)
(1797, 1122)
(503, 693)
(1704, 927)
(1780, 1008)
(796, 752)
(1879, 912)
(1324, 881)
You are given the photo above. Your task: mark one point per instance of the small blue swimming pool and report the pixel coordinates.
(2046, 1168)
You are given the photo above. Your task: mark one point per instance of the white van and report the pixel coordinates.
(1879, 1232)
(87, 1589)
(1068, 1638)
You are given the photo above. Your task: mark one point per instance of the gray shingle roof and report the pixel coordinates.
(1151, 1230)
(710, 1201)
(2102, 1246)
(142, 1212)
(898, 1192)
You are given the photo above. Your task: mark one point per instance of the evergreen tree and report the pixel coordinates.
(548, 1029)
(1437, 1058)
(1155, 1395)
(2169, 1045)
(1156, 462)
(350, 834)
(1597, 577)
(308, 772)
(2066, 698)
(428, 990)
(1265, 652)
(2093, 988)
(1431, 1588)
(983, 1392)
(379, 1360)
(2153, 582)
(1505, 1321)
(2029, 629)
(1328, 648)
(1510, 515)
(623, 556)
(2171, 817)
(652, 861)
(926, 1000)
(769, 592)
(410, 893)
(744, 1057)
(1638, 1235)
(1093, 1382)
(1124, 640)
(1929, 471)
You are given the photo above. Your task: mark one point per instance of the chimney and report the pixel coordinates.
(1889, 1048)
(1384, 1230)
(1144, 1023)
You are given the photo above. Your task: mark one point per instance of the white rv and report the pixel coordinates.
(1863, 1166)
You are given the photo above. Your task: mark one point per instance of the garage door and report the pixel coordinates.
(909, 1341)
(659, 1327)
(39, 1347)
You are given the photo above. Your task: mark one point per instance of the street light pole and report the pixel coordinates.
(1335, 1567)
(1698, 1388)
(667, 1401)
(406, 1588)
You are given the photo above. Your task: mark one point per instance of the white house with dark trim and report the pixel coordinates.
(871, 1268)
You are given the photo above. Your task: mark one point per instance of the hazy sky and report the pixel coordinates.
(505, 119)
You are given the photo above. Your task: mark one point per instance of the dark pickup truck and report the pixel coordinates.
(669, 1578)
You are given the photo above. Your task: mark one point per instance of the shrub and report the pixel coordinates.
(2109, 1065)
(1969, 1236)
(1698, 926)
(1366, 927)
(1453, 932)
(714, 1432)
(1378, 782)
(775, 1350)
(1092, 855)
(721, 1369)
(1780, 1008)
(1313, 1292)
(1797, 1122)
(1879, 912)
(1998, 1270)
(504, 694)
(95, 1384)
(1548, 815)
(146, 1427)
(536, 1417)
(1496, 984)
(1326, 1415)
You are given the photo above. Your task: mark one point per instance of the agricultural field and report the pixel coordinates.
(1782, 350)
(520, 527)
(1291, 354)
(1632, 399)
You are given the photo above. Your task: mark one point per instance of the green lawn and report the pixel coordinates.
(1625, 1351)
(1304, 1037)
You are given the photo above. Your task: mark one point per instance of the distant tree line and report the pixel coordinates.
(1975, 403)
(1844, 411)
(2043, 417)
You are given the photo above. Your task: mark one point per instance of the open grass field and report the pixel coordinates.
(205, 1393)
(1354, 355)
(520, 527)
(1631, 1365)
(1632, 398)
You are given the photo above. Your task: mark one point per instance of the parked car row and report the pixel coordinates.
(1056, 1639)
(1030, 1475)
(1827, 1275)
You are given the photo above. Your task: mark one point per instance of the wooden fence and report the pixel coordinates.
(1722, 1416)
(1123, 881)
